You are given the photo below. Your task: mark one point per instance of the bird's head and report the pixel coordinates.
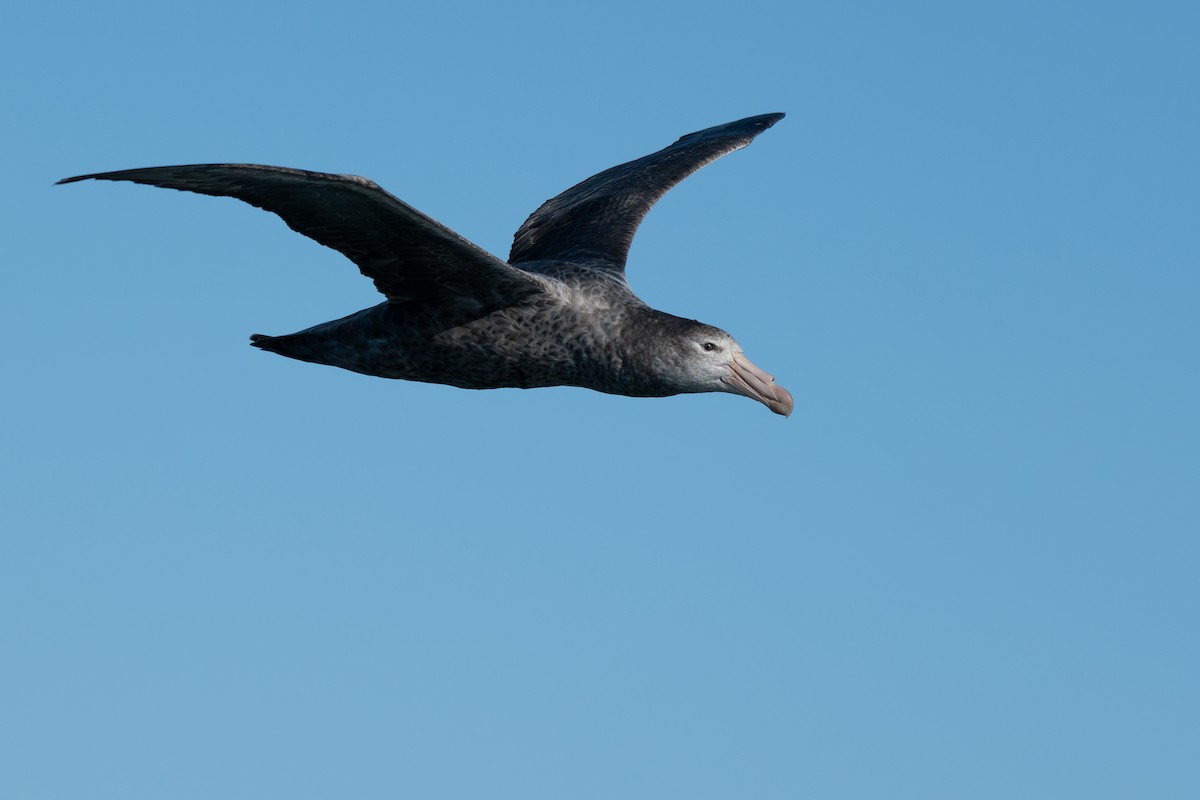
(707, 359)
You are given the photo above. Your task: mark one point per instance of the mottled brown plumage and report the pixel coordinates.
(558, 313)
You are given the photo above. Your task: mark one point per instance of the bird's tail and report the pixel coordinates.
(263, 341)
(292, 345)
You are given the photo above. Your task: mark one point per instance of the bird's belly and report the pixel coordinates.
(466, 369)
(493, 352)
(509, 348)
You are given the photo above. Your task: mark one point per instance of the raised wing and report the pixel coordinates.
(408, 255)
(594, 221)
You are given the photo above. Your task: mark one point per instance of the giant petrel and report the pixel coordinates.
(559, 312)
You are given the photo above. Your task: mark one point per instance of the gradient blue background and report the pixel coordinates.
(965, 567)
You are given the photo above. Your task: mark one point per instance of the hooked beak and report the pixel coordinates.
(745, 378)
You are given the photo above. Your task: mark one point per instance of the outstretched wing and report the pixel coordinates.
(408, 255)
(594, 221)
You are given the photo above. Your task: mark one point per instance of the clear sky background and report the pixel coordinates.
(966, 567)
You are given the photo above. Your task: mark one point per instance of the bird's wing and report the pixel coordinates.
(594, 221)
(408, 255)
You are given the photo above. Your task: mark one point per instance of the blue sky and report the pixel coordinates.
(965, 567)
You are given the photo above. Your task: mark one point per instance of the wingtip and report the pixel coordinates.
(119, 175)
(747, 126)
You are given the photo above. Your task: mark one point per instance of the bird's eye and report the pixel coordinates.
(709, 346)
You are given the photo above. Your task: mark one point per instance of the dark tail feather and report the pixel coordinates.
(302, 346)
(283, 345)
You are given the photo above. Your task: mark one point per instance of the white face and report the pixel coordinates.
(713, 361)
(706, 360)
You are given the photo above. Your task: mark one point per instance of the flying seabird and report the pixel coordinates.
(558, 313)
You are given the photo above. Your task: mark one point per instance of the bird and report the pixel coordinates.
(559, 312)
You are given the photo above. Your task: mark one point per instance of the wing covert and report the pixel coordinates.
(408, 255)
(594, 221)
